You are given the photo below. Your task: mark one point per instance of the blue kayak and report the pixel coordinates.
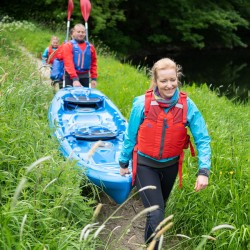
(90, 129)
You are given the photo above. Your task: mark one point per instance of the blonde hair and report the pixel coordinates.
(164, 63)
(79, 25)
(54, 38)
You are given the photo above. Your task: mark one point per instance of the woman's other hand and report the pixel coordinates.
(201, 182)
(124, 171)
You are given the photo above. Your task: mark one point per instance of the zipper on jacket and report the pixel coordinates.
(163, 135)
(82, 62)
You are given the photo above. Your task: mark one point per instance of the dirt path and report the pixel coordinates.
(119, 233)
(43, 70)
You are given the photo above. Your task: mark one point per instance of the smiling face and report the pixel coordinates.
(79, 33)
(165, 75)
(167, 82)
(55, 43)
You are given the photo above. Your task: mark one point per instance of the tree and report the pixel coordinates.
(186, 23)
(141, 25)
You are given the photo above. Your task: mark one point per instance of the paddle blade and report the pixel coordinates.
(70, 8)
(85, 9)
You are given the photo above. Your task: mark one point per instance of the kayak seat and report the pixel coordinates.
(94, 133)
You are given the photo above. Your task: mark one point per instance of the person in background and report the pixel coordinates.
(71, 33)
(80, 60)
(155, 139)
(50, 52)
(57, 69)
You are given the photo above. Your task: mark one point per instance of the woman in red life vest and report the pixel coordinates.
(50, 52)
(80, 60)
(155, 139)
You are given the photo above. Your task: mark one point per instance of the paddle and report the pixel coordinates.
(69, 12)
(85, 9)
(70, 9)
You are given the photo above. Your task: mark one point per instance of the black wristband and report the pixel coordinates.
(123, 165)
(204, 171)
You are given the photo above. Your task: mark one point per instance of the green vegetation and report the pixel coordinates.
(40, 196)
(41, 202)
(136, 26)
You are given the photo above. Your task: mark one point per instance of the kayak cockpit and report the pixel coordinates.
(83, 102)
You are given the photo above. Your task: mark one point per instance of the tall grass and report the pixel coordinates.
(43, 208)
(40, 200)
(225, 201)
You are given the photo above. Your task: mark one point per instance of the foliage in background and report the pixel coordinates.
(188, 23)
(49, 210)
(135, 27)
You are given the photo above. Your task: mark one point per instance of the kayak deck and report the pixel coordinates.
(91, 129)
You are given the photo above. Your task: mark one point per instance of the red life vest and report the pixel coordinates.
(163, 135)
(51, 55)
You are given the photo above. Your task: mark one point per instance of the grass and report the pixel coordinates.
(41, 204)
(40, 197)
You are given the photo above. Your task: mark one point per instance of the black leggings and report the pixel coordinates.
(163, 179)
(69, 82)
